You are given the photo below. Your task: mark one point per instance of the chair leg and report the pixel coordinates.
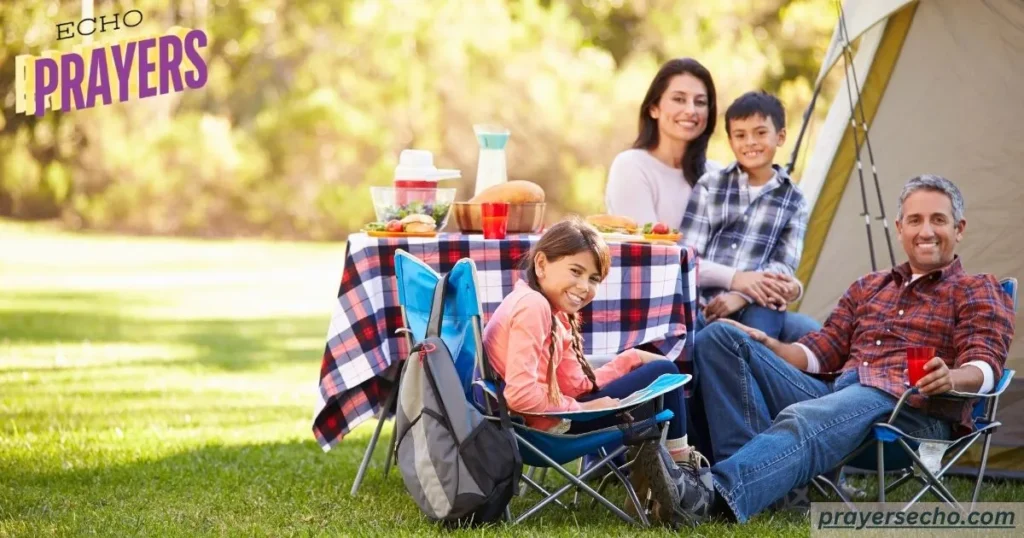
(933, 483)
(574, 481)
(540, 489)
(821, 479)
(391, 447)
(907, 475)
(579, 471)
(641, 510)
(881, 471)
(543, 475)
(600, 489)
(373, 441)
(981, 469)
(529, 474)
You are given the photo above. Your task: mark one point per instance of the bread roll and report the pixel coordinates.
(513, 192)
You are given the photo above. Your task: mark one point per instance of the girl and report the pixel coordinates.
(534, 342)
(652, 181)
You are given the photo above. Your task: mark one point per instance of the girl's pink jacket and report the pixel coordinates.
(516, 339)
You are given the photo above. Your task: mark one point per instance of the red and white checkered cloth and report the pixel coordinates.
(649, 297)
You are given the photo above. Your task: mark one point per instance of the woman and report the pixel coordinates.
(652, 181)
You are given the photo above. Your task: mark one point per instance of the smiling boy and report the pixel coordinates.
(746, 223)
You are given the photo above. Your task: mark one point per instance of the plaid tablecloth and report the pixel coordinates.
(649, 297)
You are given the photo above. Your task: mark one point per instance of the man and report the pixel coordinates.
(774, 427)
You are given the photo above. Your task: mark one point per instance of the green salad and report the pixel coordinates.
(436, 211)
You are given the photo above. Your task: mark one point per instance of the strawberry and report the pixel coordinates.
(659, 228)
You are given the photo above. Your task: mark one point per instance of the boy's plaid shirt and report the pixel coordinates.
(722, 224)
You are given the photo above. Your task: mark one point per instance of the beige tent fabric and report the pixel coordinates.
(860, 16)
(953, 106)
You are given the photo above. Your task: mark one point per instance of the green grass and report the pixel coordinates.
(165, 387)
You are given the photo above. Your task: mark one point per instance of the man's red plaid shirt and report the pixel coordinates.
(964, 317)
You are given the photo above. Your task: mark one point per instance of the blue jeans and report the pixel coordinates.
(783, 326)
(774, 427)
(633, 381)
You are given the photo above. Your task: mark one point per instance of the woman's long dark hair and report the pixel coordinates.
(695, 156)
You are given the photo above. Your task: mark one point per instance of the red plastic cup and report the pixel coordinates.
(495, 219)
(917, 357)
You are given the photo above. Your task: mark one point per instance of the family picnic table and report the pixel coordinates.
(649, 297)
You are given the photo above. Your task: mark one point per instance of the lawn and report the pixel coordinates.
(165, 387)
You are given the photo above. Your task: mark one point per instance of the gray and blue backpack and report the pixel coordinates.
(460, 467)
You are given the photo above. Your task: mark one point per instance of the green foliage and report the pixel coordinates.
(310, 103)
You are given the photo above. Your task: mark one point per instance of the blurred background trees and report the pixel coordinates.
(310, 102)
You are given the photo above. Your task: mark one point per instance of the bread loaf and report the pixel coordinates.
(513, 192)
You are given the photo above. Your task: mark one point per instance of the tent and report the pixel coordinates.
(940, 83)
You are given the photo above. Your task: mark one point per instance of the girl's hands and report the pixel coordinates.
(600, 403)
(646, 357)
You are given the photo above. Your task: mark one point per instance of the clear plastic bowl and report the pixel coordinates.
(391, 203)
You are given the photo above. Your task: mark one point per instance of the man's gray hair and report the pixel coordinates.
(935, 183)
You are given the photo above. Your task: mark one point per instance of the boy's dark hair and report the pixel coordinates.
(760, 103)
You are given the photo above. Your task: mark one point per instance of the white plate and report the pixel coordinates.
(625, 238)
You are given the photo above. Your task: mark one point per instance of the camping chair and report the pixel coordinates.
(546, 450)
(543, 449)
(921, 459)
(416, 282)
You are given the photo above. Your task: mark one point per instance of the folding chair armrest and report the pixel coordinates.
(899, 404)
(995, 393)
(957, 395)
(1000, 387)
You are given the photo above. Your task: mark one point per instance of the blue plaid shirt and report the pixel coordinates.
(722, 224)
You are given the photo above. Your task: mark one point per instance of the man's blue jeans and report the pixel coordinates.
(774, 427)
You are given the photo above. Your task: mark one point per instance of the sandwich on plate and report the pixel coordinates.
(613, 224)
(417, 223)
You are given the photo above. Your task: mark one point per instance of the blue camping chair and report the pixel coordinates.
(898, 452)
(462, 331)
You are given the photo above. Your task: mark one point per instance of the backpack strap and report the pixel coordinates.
(437, 307)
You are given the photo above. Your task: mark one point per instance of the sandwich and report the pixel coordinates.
(613, 224)
(418, 223)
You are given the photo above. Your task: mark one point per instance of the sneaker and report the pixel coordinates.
(696, 490)
(681, 494)
(694, 458)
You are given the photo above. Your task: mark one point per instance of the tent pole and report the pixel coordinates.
(848, 58)
(847, 64)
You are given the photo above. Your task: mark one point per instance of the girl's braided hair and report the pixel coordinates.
(566, 238)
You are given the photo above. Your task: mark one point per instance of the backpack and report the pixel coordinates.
(459, 467)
